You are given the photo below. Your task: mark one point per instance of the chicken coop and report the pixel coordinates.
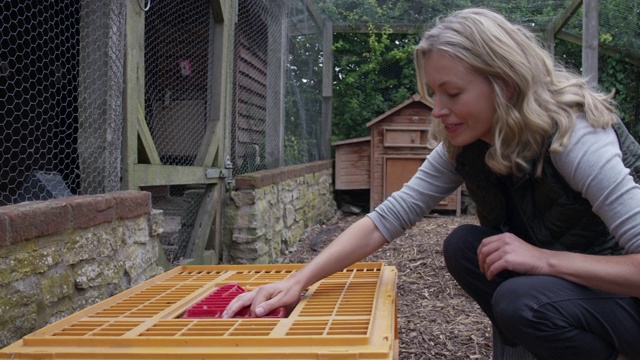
(384, 161)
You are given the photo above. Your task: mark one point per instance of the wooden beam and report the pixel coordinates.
(155, 175)
(564, 19)
(216, 84)
(216, 10)
(314, 12)
(327, 91)
(146, 139)
(378, 28)
(277, 52)
(202, 226)
(133, 92)
(590, 40)
(608, 50)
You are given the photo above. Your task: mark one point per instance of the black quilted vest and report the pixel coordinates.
(552, 215)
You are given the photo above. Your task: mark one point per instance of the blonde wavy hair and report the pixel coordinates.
(544, 97)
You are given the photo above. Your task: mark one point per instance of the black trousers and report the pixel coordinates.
(550, 317)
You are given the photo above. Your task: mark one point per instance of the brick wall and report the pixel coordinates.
(60, 256)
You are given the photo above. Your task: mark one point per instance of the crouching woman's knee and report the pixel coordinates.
(513, 304)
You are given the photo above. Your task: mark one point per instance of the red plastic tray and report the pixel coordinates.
(214, 304)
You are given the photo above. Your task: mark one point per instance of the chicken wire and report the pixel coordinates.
(619, 34)
(177, 66)
(62, 82)
(61, 79)
(277, 93)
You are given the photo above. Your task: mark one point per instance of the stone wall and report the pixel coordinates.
(60, 256)
(270, 211)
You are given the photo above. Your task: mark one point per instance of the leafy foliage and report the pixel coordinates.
(373, 73)
(614, 74)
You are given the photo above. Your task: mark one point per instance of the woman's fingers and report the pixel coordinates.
(238, 303)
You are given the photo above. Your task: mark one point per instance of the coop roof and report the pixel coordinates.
(413, 99)
(351, 141)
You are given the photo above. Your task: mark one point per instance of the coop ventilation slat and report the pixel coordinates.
(350, 313)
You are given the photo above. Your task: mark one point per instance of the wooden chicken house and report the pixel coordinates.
(384, 161)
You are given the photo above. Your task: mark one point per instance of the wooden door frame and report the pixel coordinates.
(211, 166)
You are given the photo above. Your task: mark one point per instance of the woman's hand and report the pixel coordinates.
(508, 252)
(358, 241)
(265, 298)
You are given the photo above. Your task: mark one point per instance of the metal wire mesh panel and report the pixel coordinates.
(176, 77)
(177, 104)
(60, 98)
(618, 57)
(277, 93)
(619, 30)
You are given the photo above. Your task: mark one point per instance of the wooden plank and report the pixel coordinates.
(251, 72)
(251, 59)
(152, 175)
(277, 48)
(256, 111)
(246, 52)
(222, 97)
(206, 214)
(252, 87)
(327, 91)
(351, 161)
(145, 138)
(398, 170)
(217, 84)
(313, 11)
(217, 12)
(590, 42)
(416, 28)
(566, 16)
(250, 124)
(347, 172)
(249, 137)
(133, 92)
(608, 50)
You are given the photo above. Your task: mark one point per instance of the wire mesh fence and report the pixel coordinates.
(276, 94)
(619, 32)
(60, 89)
(177, 91)
(278, 80)
(62, 77)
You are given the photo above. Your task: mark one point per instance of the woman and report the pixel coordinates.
(555, 263)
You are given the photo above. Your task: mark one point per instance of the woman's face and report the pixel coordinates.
(464, 100)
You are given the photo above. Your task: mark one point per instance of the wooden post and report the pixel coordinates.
(590, 42)
(276, 77)
(100, 81)
(327, 90)
(133, 92)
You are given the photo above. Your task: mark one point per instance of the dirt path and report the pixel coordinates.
(436, 319)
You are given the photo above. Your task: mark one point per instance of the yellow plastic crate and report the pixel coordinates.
(349, 315)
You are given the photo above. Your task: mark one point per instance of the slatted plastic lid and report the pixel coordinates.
(349, 315)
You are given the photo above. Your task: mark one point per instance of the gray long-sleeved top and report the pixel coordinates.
(591, 164)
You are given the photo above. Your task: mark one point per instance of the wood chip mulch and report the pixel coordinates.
(436, 319)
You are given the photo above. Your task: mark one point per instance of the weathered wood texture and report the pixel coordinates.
(386, 160)
(352, 164)
(399, 147)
